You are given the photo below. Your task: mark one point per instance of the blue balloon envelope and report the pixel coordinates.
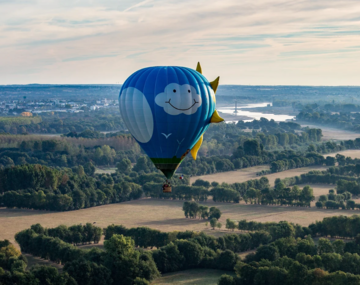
(167, 109)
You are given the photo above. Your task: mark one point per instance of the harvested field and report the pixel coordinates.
(319, 189)
(240, 175)
(164, 215)
(334, 134)
(245, 174)
(192, 277)
(353, 153)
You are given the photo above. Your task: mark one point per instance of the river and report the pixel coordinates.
(254, 115)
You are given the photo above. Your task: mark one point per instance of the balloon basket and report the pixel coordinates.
(167, 189)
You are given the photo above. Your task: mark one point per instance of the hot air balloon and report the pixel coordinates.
(167, 109)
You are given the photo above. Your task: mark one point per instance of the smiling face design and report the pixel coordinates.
(179, 99)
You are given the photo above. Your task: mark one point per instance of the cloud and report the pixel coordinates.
(243, 41)
(179, 99)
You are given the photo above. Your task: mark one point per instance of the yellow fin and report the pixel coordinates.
(214, 84)
(215, 118)
(196, 147)
(198, 68)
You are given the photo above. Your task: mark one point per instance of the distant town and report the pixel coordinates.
(28, 108)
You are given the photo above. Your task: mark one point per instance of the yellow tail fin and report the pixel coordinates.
(196, 148)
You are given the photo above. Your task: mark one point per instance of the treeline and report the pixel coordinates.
(44, 188)
(336, 107)
(259, 192)
(77, 234)
(334, 227)
(121, 263)
(297, 162)
(337, 226)
(13, 267)
(346, 187)
(146, 237)
(223, 139)
(118, 263)
(290, 261)
(276, 230)
(192, 210)
(346, 178)
(66, 152)
(63, 123)
(343, 120)
(301, 261)
(336, 201)
(251, 153)
(287, 251)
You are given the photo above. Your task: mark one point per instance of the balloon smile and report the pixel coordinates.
(181, 109)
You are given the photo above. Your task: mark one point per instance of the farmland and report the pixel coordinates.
(245, 174)
(167, 215)
(334, 134)
(164, 215)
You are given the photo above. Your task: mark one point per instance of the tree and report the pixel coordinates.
(281, 230)
(89, 168)
(214, 213)
(338, 246)
(88, 273)
(213, 223)
(330, 161)
(50, 275)
(311, 148)
(226, 280)
(231, 225)
(350, 204)
(227, 260)
(307, 195)
(325, 246)
(141, 164)
(203, 210)
(252, 147)
(340, 159)
(298, 274)
(268, 252)
(246, 272)
(218, 225)
(124, 166)
(119, 244)
(323, 198)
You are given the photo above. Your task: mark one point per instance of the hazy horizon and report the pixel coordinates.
(98, 84)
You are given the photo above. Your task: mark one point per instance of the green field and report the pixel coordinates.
(192, 277)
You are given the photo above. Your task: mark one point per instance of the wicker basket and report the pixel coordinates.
(167, 189)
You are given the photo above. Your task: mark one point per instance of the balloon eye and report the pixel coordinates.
(174, 91)
(189, 91)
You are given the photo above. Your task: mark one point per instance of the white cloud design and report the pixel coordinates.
(179, 99)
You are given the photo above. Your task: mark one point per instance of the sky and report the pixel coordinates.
(257, 42)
